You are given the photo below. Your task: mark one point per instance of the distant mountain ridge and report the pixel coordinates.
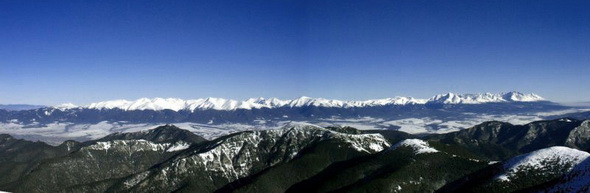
(175, 104)
(19, 107)
(440, 114)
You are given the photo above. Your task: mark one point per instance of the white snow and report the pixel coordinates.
(222, 158)
(66, 106)
(138, 145)
(128, 145)
(538, 159)
(178, 147)
(452, 98)
(418, 145)
(175, 104)
(370, 143)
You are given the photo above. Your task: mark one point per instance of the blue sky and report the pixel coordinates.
(53, 52)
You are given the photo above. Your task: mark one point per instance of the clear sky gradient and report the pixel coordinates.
(53, 52)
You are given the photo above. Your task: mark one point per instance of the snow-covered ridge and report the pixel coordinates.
(175, 104)
(418, 145)
(137, 145)
(541, 159)
(66, 106)
(452, 98)
(243, 154)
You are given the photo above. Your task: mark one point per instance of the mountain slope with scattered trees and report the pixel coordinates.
(490, 157)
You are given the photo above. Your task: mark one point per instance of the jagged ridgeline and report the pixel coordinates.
(490, 157)
(171, 110)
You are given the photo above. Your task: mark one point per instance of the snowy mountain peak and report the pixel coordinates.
(517, 96)
(212, 103)
(259, 100)
(452, 98)
(66, 106)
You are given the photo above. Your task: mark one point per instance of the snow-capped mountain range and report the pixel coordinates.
(175, 104)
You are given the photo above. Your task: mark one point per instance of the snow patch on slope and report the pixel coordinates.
(131, 145)
(137, 145)
(66, 106)
(178, 146)
(418, 145)
(370, 143)
(235, 157)
(539, 159)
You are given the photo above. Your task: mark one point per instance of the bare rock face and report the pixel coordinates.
(579, 137)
